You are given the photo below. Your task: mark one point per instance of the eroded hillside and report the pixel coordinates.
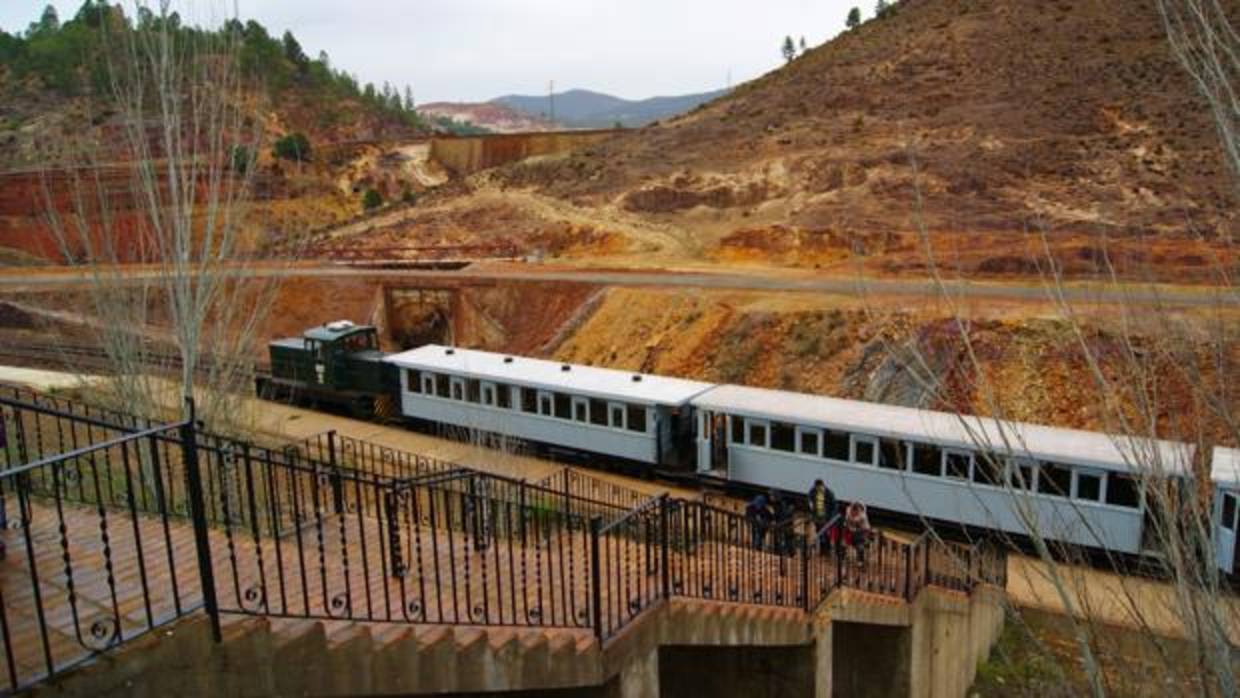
(984, 123)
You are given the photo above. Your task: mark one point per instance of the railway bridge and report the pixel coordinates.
(156, 558)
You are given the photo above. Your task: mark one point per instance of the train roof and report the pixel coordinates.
(1225, 466)
(332, 331)
(1021, 439)
(550, 375)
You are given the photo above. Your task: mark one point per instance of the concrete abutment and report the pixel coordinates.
(855, 645)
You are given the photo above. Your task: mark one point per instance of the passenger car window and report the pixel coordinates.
(783, 436)
(1056, 480)
(1023, 475)
(956, 464)
(864, 450)
(563, 406)
(617, 416)
(503, 396)
(598, 412)
(891, 454)
(1088, 486)
(413, 380)
(927, 460)
(636, 417)
(809, 442)
(738, 430)
(757, 433)
(441, 385)
(1229, 512)
(1122, 491)
(835, 446)
(987, 471)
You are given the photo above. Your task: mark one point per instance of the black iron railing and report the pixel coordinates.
(116, 526)
(90, 516)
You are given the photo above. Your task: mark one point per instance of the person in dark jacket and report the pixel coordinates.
(783, 512)
(759, 514)
(822, 509)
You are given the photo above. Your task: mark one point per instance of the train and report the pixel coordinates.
(1077, 487)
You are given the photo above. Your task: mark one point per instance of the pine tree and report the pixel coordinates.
(882, 8)
(804, 47)
(854, 18)
(789, 49)
(408, 98)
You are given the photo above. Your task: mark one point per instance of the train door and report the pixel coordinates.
(712, 442)
(1225, 529)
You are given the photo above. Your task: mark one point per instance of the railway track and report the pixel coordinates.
(90, 358)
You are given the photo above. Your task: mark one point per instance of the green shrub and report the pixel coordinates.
(294, 146)
(372, 199)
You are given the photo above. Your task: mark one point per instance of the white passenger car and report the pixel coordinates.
(1225, 474)
(633, 417)
(1062, 484)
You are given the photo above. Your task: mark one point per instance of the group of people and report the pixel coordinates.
(833, 531)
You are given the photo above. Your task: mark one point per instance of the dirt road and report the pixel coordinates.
(1161, 295)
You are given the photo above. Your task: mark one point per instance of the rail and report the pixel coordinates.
(124, 525)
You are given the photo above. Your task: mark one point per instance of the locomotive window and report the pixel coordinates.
(581, 410)
(927, 460)
(1229, 512)
(528, 398)
(783, 437)
(987, 471)
(563, 406)
(503, 396)
(835, 446)
(441, 385)
(863, 450)
(1056, 480)
(738, 430)
(413, 380)
(956, 464)
(809, 441)
(473, 390)
(1122, 491)
(757, 433)
(1088, 486)
(636, 417)
(617, 416)
(598, 412)
(891, 454)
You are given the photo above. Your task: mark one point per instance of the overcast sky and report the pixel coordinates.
(473, 50)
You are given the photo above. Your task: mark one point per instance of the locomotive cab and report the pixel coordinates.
(336, 364)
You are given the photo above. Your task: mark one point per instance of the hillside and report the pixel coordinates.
(586, 109)
(56, 107)
(1002, 116)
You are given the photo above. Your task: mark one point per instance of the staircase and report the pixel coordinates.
(159, 559)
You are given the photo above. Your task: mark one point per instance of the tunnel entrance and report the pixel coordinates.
(743, 672)
(870, 660)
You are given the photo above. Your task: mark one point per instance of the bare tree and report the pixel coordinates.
(1163, 387)
(162, 236)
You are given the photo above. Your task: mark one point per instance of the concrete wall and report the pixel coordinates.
(465, 155)
(858, 644)
(951, 635)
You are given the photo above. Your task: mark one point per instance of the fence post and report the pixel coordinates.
(908, 572)
(663, 545)
(198, 514)
(337, 484)
(805, 573)
(568, 502)
(596, 591)
(521, 511)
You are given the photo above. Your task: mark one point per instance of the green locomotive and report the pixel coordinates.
(337, 364)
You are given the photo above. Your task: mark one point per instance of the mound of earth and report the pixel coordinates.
(978, 121)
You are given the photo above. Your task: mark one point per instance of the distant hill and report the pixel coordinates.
(586, 109)
(491, 116)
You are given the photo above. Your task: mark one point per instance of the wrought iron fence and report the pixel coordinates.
(92, 538)
(102, 509)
